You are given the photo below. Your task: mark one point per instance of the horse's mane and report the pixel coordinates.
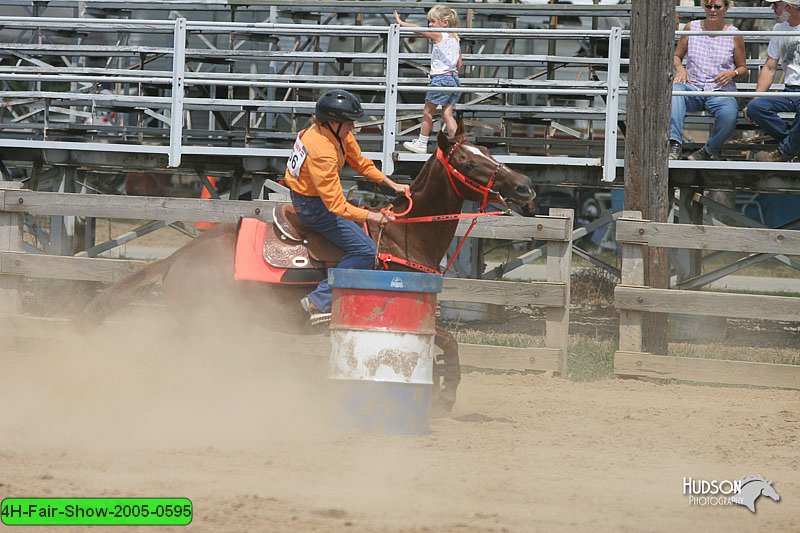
(747, 479)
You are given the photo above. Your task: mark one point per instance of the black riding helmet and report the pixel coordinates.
(340, 106)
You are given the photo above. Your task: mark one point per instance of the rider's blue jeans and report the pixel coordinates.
(764, 112)
(346, 234)
(724, 109)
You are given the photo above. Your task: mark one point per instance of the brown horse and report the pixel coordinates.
(202, 271)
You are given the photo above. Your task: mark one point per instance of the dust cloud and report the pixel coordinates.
(146, 383)
(239, 421)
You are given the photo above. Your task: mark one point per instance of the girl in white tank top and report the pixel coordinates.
(445, 64)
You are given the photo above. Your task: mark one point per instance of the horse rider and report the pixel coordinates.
(313, 173)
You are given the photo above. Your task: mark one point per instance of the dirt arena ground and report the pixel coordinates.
(240, 425)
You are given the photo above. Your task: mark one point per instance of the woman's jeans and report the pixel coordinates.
(347, 235)
(724, 108)
(764, 112)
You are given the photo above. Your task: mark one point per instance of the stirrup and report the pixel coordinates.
(320, 318)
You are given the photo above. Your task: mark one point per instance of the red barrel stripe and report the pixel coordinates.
(410, 312)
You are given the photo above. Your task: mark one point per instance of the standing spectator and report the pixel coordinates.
(445, 64)
(764, 110)
(712, 63)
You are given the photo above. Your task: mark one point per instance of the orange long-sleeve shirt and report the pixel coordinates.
(320, 172)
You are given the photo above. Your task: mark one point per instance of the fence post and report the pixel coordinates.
(559, 261)
(630, 322)
(612, 104)
(390, 99)
(10, 241)
(178, 81)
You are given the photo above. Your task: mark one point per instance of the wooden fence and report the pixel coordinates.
(553, 294)
(633, 298)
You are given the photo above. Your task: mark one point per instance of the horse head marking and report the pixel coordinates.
(752, 487)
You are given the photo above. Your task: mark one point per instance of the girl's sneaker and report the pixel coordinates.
(416, 147)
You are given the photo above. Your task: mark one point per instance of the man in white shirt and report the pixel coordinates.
(764, 110)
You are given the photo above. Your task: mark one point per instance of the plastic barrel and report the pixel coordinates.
(382, 329)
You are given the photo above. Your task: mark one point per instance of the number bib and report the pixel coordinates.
(296, 158)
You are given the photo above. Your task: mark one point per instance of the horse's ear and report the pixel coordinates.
(460, 128)
(443, 141)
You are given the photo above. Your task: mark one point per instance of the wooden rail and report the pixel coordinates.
(553, 295)
(633, 298)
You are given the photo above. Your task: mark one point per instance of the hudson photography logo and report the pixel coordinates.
(725, 492)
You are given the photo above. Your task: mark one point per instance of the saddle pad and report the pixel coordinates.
(249, 263)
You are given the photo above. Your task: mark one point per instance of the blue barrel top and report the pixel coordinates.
(384, 280)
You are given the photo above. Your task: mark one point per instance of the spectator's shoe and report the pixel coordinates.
(674, 150)
(416, 147)
(774, 156)
(315, 315)
(703, 155)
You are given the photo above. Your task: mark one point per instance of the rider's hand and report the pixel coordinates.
(396, 187)
(379, 217)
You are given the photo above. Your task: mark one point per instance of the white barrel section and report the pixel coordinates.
(382, 356)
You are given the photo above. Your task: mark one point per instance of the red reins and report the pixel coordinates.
(388, 210)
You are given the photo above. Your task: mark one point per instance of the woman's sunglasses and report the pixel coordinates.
(714, 7)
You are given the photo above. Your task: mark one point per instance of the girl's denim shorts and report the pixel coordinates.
(443, 98)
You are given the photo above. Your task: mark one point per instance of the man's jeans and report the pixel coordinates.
(764, 112)
(724, 109)
(347, 235)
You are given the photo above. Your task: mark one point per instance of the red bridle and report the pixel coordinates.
(454, 175)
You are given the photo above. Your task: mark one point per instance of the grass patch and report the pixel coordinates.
(767, 269)
(512, 340)
(588, 359)
(784, 356)
(790, 294)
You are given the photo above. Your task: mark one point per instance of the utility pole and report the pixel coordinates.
(646, 140)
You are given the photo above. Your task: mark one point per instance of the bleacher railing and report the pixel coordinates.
(155, 84)
(57, 89)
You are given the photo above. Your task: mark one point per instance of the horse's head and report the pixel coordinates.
(476, 175)
(769, 491)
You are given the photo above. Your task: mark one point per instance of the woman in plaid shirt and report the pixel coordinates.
(712, 63)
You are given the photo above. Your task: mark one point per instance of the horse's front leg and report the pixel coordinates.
(450, 369)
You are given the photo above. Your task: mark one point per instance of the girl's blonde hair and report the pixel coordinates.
(440, 12)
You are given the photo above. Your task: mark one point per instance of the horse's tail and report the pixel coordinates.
(122, 293)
